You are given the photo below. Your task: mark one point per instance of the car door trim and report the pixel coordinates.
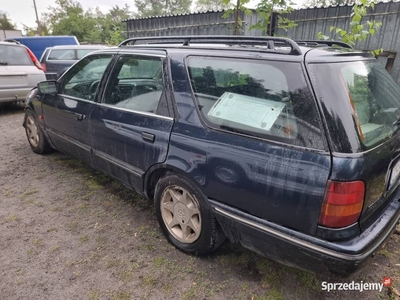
(119, 163)
(136, 111)
(72, 141)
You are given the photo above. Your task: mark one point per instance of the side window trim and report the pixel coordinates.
(163, 100)
(104, 74)
(320, 130)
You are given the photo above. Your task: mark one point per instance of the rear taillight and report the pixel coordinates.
(34, 59)
(44, 67)
(343, 203)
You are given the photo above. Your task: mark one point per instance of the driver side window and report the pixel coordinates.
(82, 79)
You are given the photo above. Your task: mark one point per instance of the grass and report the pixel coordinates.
(121, 296)
(28, 193)
(84, 238)
(13, 218)
(94, 295)
(37, 242)
(54, 248)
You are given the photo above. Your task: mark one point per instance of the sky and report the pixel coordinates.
(23, 12)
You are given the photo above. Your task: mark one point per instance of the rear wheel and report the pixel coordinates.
(35, 135)
(186, 217)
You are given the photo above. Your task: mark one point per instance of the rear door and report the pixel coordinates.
(66, 115)
(361, 108)
(130, 128)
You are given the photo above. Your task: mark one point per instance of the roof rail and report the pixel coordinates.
(323, 43)
(12, 41)
(270, 42)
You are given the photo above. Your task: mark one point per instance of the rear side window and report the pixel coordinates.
(14, 56)
(260, 98)
(362, 100)
(62, 54)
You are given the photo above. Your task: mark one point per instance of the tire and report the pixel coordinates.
(185, 216)
(36, 138)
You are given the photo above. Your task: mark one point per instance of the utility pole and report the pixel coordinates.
(37, 19)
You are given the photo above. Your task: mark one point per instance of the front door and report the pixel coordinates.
(66, 115)
(130, 128)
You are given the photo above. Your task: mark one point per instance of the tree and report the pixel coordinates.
(32, 31)
(151, 8)
(358, 31)
(237, 10)
(69, 18)
(5, 22)
(205, 5)
(266, 10)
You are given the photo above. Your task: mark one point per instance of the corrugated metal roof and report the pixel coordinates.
(340, 5)
(176, 15)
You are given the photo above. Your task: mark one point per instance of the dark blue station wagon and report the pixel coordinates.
(290, 149)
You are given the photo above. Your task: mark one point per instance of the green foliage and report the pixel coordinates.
(266, 10)
(149, 8)
(205, 5)
(115, 37)
(5, 22)
(69, 18)
(237, 10)
(358, 31)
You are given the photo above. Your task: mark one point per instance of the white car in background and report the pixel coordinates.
(20, 71)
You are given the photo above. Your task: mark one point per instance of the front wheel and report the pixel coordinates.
(35, 135)
(186, 217)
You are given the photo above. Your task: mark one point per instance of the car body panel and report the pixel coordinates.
(18, 74)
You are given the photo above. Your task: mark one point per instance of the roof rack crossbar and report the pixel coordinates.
(320, 43)
(270, 42)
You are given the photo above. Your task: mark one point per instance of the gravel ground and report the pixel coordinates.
(69, 232)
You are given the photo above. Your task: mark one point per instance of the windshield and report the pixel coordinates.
(368, 92)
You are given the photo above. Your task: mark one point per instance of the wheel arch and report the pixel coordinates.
(160, 170)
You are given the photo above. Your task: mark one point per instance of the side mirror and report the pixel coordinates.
(48, 87)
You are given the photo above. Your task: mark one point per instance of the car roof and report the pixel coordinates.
(12, 43)
(79, 47)
(285, 48)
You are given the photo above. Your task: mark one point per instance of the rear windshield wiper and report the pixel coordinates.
(3, 63)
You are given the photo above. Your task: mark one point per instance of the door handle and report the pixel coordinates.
(148, 137)
(80, 117)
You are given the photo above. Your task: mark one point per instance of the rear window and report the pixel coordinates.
(14, 56)
(265, 99)
(62, 54)
(365, 100)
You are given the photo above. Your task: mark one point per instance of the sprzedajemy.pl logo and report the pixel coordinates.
(356, 286)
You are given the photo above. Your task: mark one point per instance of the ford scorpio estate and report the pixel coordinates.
(291, 149)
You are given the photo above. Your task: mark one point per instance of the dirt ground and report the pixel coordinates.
(69, 232)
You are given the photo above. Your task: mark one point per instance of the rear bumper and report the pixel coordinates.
(303, 251)
(11, 95)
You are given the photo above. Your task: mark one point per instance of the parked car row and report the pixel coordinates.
(20, 70)
(56, 60)
(291, 149)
